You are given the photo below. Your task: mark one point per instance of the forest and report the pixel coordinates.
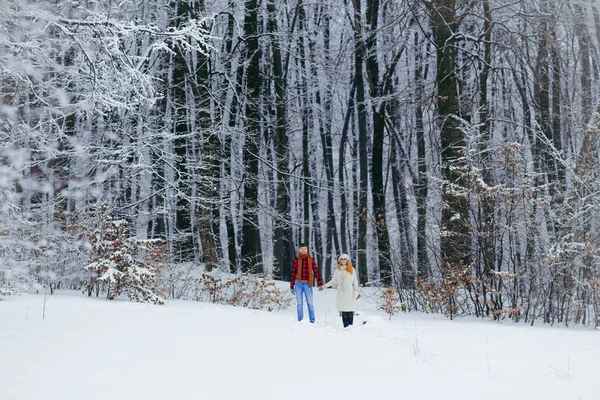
(449, 146)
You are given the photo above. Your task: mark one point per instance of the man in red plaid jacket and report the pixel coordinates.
(304, 275)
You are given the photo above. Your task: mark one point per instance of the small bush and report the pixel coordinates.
(243, 290)
(6, 289)
(442, 296)
(389, 302)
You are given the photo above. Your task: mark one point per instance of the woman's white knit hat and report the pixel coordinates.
(346, 256)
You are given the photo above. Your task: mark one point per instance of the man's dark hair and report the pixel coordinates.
(303, 245)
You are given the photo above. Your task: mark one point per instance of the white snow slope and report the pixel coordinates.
(92, 348)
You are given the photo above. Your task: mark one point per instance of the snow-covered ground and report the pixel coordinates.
(94, 349)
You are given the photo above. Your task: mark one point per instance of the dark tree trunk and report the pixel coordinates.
(324, 119)
(529, 259)
(316, 249)
(406, 280)
(455, 237)
(251, 241)
(283, 247)
(306, 181)
(587, 168)
(363, 186)
(305, 104)
(182, 79)
(487, 226)
(557, 132)
(377, 168)
(342, 170)
(234, 110)
(585, 77)
(208, 175)
(422, 182)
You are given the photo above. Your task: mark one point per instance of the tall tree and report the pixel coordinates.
(344, 204)
(305, 112)
(421, 181)
(323, 103)
(283, 247)
(362, 116)
(183, 127)
(251, 241)
(486, 257)
(381, 88)
(232, 118)
(210, 168)
(455, 236)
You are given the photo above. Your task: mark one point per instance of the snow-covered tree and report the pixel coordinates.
(123, 264)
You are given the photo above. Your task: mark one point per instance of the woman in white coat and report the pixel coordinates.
(347, 289)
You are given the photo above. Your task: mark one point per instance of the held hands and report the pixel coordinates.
(321, 288)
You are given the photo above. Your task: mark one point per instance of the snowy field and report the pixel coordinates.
(94, 349)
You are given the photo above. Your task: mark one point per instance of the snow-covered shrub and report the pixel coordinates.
(179, 279)
(443, 295)
(126, 264)
(5, 287)
(263, 294)
(245, 290)
(211, 288)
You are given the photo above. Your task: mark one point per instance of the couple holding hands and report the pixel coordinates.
(304, 275)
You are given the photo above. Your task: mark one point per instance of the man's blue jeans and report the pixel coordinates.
(303, 289)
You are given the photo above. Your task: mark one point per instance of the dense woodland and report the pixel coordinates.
(449, 146)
